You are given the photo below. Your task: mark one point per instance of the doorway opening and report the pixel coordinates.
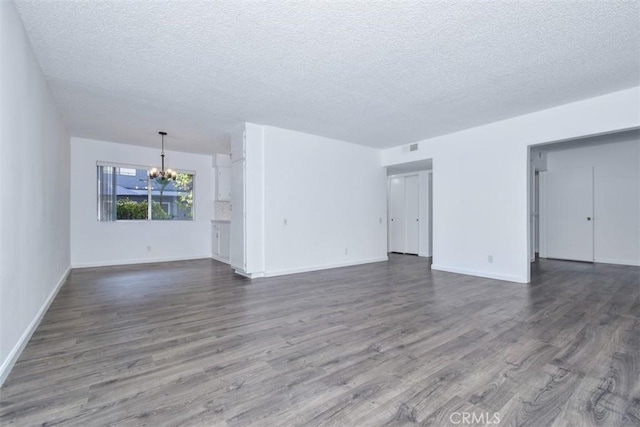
(409, 204)
(584, 198)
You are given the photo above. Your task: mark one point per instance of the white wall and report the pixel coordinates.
(96, 243)
(480, 187)
(247, 200)
(331, 194)
(255, 185)
(616, 196)
(34, 207)
(237, 240)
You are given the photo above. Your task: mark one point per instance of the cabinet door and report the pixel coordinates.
(222, 160)
(224, 183)
(215, 240)
(224, 241)
(238, 144)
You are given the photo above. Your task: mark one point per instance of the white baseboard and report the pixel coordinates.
(223, 260)
(15, 352)
(323, 267)
(631, 262)
(249, 275)
(478, 273)
(424, 254)
(136, 261)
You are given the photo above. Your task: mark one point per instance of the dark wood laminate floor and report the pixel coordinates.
(391, 343)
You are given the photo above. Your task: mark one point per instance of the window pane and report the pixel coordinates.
(133, 195)
(106, 194)
(172, 200)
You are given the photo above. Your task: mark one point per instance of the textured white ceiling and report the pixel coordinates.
(375, 73)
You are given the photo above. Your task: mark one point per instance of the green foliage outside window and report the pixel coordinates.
(130, 209)
(184, 182)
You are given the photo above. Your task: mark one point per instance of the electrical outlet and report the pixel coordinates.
(284, 221)
(149, 248)
(490, 259)
(346, 251)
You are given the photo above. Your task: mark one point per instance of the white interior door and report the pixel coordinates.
(412, 214)
(569, 214)
(396, 215)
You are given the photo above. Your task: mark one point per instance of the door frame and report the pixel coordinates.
(425, 177)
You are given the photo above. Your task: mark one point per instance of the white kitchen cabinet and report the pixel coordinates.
(224, 241)
(223, 183)
(220, 240)
(215, 240)
(222, 160)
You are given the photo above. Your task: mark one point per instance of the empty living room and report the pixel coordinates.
(320, 213)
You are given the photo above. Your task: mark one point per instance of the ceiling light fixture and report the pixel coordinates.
(162, 174)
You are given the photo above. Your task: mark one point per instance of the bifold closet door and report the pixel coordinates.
(404, 211)
(412, 213)
(397, 223)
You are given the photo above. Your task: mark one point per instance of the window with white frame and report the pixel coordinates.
(128, 193)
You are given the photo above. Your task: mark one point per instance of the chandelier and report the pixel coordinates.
(162, 174)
